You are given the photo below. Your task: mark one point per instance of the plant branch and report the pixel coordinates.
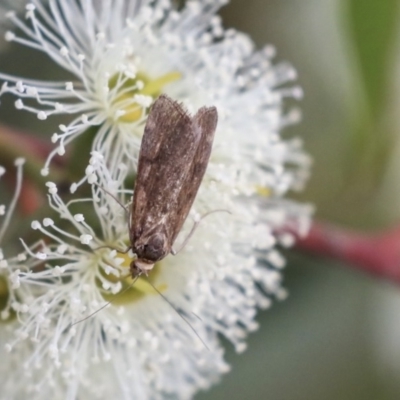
(377, 254)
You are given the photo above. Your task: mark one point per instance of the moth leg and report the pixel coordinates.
(194, 227)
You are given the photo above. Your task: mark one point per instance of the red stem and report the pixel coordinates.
(378, 254)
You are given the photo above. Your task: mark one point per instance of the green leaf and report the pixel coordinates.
(373, 28)
(372, 36)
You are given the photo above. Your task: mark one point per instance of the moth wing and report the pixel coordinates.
(204, 123)
(168, 146)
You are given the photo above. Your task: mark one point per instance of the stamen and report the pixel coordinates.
(19, 164)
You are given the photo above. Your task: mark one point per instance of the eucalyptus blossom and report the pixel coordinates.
(85, 328)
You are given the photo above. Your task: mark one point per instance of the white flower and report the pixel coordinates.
(10, 283)
(140, 341)
(122, 54)
(8, 280)
(143, 345)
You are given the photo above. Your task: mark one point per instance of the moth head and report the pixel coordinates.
(152, 248)
(149, 250)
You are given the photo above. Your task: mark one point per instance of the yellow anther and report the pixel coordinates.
(140, 85)
(263, 191)
(142, 286)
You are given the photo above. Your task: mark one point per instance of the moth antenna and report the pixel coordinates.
(193, 230)
(105, 305)
(128, 214)
(115, 198)
(176, 310)
(197, 316)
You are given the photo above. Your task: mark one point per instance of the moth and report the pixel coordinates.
(173, 158)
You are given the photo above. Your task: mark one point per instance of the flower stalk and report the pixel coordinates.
(377, 254)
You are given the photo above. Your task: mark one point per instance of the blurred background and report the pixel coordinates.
(337, 336)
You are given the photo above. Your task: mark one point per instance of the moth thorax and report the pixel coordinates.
(139, 267)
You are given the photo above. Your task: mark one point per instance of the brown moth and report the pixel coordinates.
(173, 158)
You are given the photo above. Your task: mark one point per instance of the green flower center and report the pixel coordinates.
(133, 291)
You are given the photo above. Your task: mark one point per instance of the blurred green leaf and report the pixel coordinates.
(373, 27)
